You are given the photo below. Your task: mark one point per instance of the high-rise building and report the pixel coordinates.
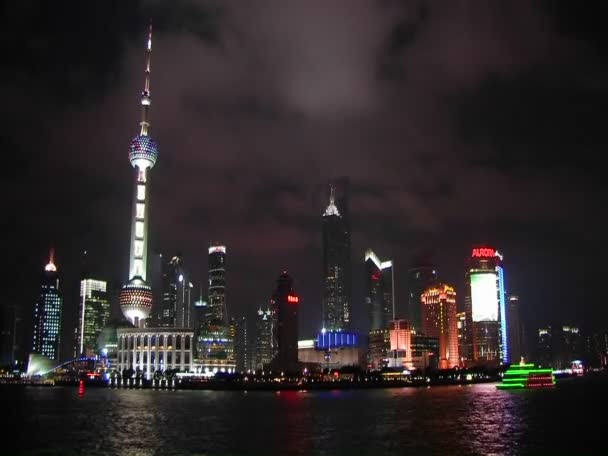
(514, 332)
(420, 276)
(545, 355)
(176, 306)
(136, 296)
(485, 291)
(439, 321)
(284, 305)
(400, 344)
(336, 268)
(216, 335)
(93, 314)
(241, 345)
(380, 296)
(11, 334)
(463, 334)
(47, 314)
(216, 304)
(265, 349)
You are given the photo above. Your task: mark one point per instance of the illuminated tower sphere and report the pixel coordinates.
(136, 295)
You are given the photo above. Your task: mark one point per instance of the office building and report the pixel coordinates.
(485, 306)
(380, 291)
(47, 314)
(420, 275)
(93, 314)
(439, 320)
(284, 305)
(176, 306)
(336, 268)
(400, 355)
(265, 349)
(514, 330)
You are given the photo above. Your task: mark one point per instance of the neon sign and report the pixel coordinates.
(293, 299)
(483, 253)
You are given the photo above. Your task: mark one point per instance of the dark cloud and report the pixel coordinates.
(458, 122)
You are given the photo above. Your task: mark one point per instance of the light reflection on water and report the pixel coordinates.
(446, 420)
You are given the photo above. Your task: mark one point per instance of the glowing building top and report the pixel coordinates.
(331, 209)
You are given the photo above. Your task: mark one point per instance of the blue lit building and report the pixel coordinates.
(326, 340)
(502, 308)
(47, 314)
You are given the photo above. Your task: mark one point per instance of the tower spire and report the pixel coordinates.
(332, 209)
(146, 99)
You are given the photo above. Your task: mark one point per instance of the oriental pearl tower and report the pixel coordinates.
(136, 296)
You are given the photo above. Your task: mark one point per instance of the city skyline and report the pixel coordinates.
(295, 141)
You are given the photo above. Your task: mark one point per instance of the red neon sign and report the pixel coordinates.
(483, 253)
(292, 298)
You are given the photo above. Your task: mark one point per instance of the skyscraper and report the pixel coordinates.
(136, 296)
(216, 304)
(420, 276)
(439, 320)
(486, 298)
(284, 305)
(380, 290)
(176, 305)
(514, 334)
(265, 350)
(47, 314)
(241, 345)
(216, 338)
(93, 314)
(336, 268)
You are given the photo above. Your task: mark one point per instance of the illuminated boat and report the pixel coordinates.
(524, 375)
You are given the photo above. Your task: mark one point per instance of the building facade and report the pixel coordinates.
(420, 276)
(439, 320)
(136, 295)
(485, 305)
(242, 345)
(514, 334)
(380, 290)
(265, 350)
(284, 304)
(93, 314)
(215, 345)
(336, 268)
(47, 314)
(400, 336)
(152, 350)
(216, 302)
(176, 305)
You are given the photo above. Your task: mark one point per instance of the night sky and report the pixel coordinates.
(458, 123)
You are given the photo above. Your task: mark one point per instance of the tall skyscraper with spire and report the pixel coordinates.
(47, 314)
(136, 295)
(336, 268)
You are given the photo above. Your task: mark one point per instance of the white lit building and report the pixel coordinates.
(155, 349)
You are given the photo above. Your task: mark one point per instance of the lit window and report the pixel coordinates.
(139, 267)
(139, 229)
(140, 209)
(138, 251)
(141, 192)
(141, 176)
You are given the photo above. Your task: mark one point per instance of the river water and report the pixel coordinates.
(442, 420)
